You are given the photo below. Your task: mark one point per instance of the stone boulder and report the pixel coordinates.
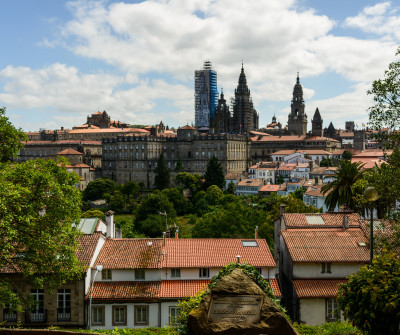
(237, 305)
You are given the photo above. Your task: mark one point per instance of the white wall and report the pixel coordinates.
(312, 311)
(129, 275)
(165, 311)
(313, 270)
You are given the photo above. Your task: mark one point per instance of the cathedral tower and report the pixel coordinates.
(297, 121)
(245, 117)
(221, 122)
(316, 124)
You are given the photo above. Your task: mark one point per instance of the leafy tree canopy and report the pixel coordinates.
(39, 204)
(93, 213)
(10, 138)
(214, 174)
(326, 162)
(162, 175)
(371, 296)
(347, 155)
(130, 188)
(97, 188)
(175, 196)
(192, 182)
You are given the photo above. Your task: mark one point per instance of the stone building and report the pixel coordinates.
(128, 158)
(316, 122)
(297, 120)
(222, 120)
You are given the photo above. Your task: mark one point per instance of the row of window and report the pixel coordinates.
(140, 274)
(119, 315)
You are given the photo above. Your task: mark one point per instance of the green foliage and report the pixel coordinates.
(129, 189)
(117, 202)
(179, 165)
(10, 138)
(332, 328)
(371, 296)
(280, 180)
(39, 204)
(187, 305)
(231, 188)
(214, 174)
(127, 331)
(341, 190)
(192, 182)
(148, 219)
(162, 175)
(175, 196)
(347, 155)
(298, 194)
(97, 188)
(93, 213)
(326, 162)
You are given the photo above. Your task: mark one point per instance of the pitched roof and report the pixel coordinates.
(250, 182)
(125, 290)
(188, 127)
(317, 288)
(313, 220)
(197, 253)
(326, 245)
(109, 130)
(181, 288)
(130, 253)
(274, 285)
(88, 244)
(69, 152)
(269, 188)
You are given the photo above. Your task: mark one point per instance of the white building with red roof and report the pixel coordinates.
(143, 279)
(314, 253)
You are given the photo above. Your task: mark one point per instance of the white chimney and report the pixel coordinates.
(110, 224)
(256, 232)
(345, 222)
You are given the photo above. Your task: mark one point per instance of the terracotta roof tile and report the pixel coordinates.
(197, 253)
(250, 182)
(125, 290)
(88, 244)
(269, 188)
(302, 220)
(130, 253)
(317, 288)
(188, 127)
(274, 285)
(69, 152)
(182, 288)
(326, 245)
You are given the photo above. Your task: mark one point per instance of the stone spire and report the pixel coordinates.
(297, 121)
(316, 122)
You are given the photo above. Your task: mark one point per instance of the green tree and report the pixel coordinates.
(175, 196)
(341, 190)
(97, 188)
(231, 188)
(370, 297)
(298, 193)
(141, 186)
(214, 174)
(129, 189)
(93, 213)
(179, 165)
(326, 162)
(39, 206)
(117, 202)
(190, 181)
(162, 175)
(347, 155)
(10, 138)
(151, 208)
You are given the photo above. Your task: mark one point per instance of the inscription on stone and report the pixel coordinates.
(235, 308)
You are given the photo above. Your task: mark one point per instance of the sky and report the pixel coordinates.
(63, 60)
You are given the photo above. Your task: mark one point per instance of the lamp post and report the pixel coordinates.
(166, 219)
(371, 195)
(98, 268)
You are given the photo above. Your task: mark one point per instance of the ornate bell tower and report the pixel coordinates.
(297, 121)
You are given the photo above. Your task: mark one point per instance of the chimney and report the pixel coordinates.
(282, 209)
(118, 233)
(345, 222)
(164, 235)
(255, 232)
(176, 234)
(110, 224)
(238, 259)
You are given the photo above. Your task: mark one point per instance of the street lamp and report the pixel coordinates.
(98, 268)
(166, 219)
(371, 195)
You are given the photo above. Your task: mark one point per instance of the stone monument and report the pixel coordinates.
(237, 305)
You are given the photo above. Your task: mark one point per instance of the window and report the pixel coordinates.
(106, 274)
(332, 309)
(173, 315)
(204, 272)
(249, 243)
(9, 314)
(140, 274)
(119, 315)
(98, 316)
(141, 315)
(37, 312)
(326, 268)
(175, 273)
(64, 305)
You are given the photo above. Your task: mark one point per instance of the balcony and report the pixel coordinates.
(64, 314)
(36, 316)
(9, 316)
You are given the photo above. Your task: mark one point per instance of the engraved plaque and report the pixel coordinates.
(235, 308)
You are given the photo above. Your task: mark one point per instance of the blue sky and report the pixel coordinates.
(63, 60)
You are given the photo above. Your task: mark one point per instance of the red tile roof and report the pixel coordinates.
(274, 285)
(188, 127)
(251, 182)
(125, 290)
(317, 288)
(302, 220)
(69, 152)
(182, 288)
(326, 245)
(196, 253)
(130, 253)
(269, 188)
(88, 244)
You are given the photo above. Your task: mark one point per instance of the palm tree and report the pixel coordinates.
(341, 191)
